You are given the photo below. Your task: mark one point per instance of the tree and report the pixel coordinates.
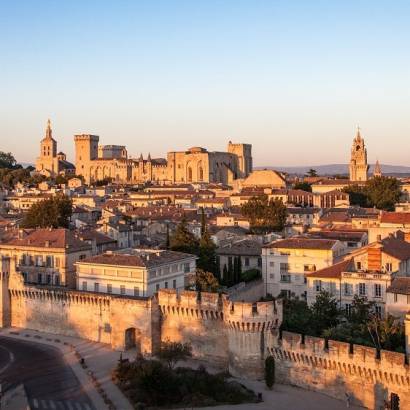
(325, 313)
(183, 240)
(297, 317)
(265, 216)
(311, 173)
(7, 160)
(270, 371)
(357, 195)
(205, 281)
(362, 310)
(53, 212)
(387, 333)
(207, 254)
(383, 192)
(173, 352)
(304, 186)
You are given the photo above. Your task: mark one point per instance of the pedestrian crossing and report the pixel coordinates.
(47, 404)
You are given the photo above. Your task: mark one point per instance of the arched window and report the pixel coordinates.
(201, 174)
(189, 177)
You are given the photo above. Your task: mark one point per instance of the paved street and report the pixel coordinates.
(49, 381)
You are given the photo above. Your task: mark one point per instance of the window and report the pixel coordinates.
(186, 268)
(174, 283)
(348, 309)
(57, 262)
(246, 261)
(389, 267)
(317, 285)
(309, 268)
(39, 278)
(96, 287)
(271, 276)
(284, 267)
(358, 265)
(25, 275)
(84, 285)
(122, 290)
(332, 288)
(347, 289)
(166, 285)
(271, 264)
(395, 298)
(109, 288)
(362, 289)
(377, 290)
(378, 311)
(57, 280)
(48, 279)
(157, 287)
(82, 257)
(136, 291)
(285, 278)
(49, 261)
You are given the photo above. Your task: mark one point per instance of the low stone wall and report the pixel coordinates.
(340, 368)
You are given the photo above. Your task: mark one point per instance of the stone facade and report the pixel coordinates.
(96, 162)
(336, 368)
(237, 336)
(358, 167)
(51, 163)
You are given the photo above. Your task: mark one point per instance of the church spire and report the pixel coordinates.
(358, 136)
(49, 133)
(377, 172)
(149, 157)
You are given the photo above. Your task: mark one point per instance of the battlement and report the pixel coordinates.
(191, 303)
(259, 316)
(86, 137)
(363, 360)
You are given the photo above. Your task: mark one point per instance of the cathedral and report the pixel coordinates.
(96, 162)
(358, 167)
(50, 163)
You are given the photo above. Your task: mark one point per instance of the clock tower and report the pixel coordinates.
(358, 161)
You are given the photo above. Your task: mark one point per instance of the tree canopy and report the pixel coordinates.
(7, 160)
(54, 212)
(183, 240)
(380, 192)
(265, 215)
(304, 186)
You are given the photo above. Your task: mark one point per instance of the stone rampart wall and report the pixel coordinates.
(336, 368)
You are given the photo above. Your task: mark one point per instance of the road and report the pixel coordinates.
(49, 381)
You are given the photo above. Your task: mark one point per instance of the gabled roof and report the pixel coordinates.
(331, 272)
(50, 238)
(303, 243)
(246, 247)
(397, 248)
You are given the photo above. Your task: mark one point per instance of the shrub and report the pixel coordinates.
(251, 274)
(270, 371)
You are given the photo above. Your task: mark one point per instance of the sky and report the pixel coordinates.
(293, 78)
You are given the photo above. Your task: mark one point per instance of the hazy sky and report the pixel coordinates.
(293, 78)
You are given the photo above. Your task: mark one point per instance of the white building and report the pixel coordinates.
(135, 272)
(367, 272)
(398, 297)
(285, 263)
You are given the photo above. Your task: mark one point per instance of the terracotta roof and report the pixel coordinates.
(303, 243)
(99, 237)
(148, 260)
(352, 236)
(50, 238)
(400, 285)
(397, 248)
(245, 247)
(334, 271)
(395, 217)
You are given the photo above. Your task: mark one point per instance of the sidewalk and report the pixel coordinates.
(94, 375)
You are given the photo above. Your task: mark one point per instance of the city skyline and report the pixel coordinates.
(154, 77)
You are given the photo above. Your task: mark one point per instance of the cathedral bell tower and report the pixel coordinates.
(358, 161)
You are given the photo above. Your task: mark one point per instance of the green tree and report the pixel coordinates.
(54, 212)
(383, 192)
(7, 160)
(183, 240)
(357, 195)
(304, 186)
(362, 310)
(207, 254)
(325, 312)
(264, 215)
(297, 317)
(205, 281)
(173, 352)
(311, 173)
(270, 371)
(387, 333)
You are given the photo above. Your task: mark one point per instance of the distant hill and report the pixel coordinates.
(340, 169)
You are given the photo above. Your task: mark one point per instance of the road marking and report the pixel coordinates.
(11, 359)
